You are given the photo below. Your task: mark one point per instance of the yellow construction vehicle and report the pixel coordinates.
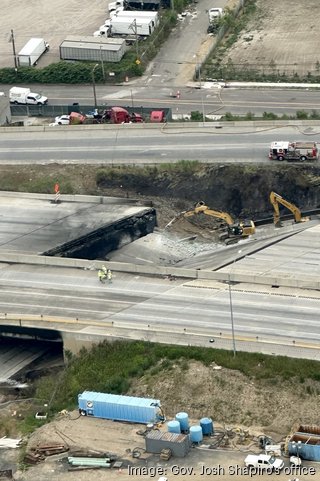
(235, 230)
(275, 200)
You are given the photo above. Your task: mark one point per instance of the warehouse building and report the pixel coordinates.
(93, 49)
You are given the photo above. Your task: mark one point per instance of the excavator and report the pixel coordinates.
(275, 200)
(235, 231)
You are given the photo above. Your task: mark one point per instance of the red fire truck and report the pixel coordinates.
(291, 151)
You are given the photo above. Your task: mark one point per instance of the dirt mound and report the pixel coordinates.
(229, 397)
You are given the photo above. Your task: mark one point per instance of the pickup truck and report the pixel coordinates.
(264, 461)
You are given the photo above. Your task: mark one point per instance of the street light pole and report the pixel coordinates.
(231, 308)
(102, 65)
(201, 93)
(94, 86)
(231, 316)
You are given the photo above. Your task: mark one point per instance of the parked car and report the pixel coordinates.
(62, 120)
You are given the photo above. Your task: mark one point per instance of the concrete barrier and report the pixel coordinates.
(168, 126)
(88, 199)
(308, 282)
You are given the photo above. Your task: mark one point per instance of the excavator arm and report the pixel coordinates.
(235, 230)
(275, 200)
(201, 208)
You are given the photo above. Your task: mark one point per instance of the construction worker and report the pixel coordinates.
(104, 270)
(109, 276)
(101, 275)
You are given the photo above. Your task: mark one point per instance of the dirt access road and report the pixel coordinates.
(120, 438)
(282, 36)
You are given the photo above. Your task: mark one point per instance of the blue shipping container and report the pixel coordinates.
(120, 408)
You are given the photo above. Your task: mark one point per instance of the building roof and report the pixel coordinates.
(166, 436)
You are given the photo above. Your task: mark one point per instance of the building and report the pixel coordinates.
(156, 441)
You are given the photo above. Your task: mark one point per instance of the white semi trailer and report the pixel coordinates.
(130, 26)
(32, 51)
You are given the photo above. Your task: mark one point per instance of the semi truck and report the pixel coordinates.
(292, 151)
(21, 95)
(32, 51)
(129, 26)
(154, 16)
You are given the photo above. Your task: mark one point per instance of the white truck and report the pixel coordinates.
(214, 14)
(32, 51)
(263, 462)
(21, 95)
(129, 26)
(114, 5)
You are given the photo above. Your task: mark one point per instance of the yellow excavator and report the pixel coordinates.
(235, 230)
(275, 200)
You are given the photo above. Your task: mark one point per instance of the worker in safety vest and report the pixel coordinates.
(101, 275)
(109, 276)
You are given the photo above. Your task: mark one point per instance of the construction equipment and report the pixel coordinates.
(237, 230)
(275, 200)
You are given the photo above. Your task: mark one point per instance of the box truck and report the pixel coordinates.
(32, 51)
(21, 95)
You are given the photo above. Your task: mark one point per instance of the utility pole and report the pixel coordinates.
(102, 64)
(94, 85)
(14, 50)
(134, 28)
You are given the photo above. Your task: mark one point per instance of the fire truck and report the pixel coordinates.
(291, 151)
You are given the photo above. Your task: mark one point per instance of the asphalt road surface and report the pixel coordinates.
(213, 100)
(175, 309)
(129, 144)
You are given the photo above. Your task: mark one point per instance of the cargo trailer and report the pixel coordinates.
(32, 51)
(153, 16)
(92, 48)
(120, 408)
(128, 26)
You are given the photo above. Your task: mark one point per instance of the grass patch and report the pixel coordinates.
(112, 367)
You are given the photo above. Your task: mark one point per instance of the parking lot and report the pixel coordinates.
(52, 21)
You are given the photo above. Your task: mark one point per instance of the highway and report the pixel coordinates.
(137, 144)
(213, 101)
(141, 303)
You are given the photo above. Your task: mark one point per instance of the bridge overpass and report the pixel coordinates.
(271, 284)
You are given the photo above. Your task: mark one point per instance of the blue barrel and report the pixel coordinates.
(174, 427)
(207, 426)
(196, 435)
(183, 419)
